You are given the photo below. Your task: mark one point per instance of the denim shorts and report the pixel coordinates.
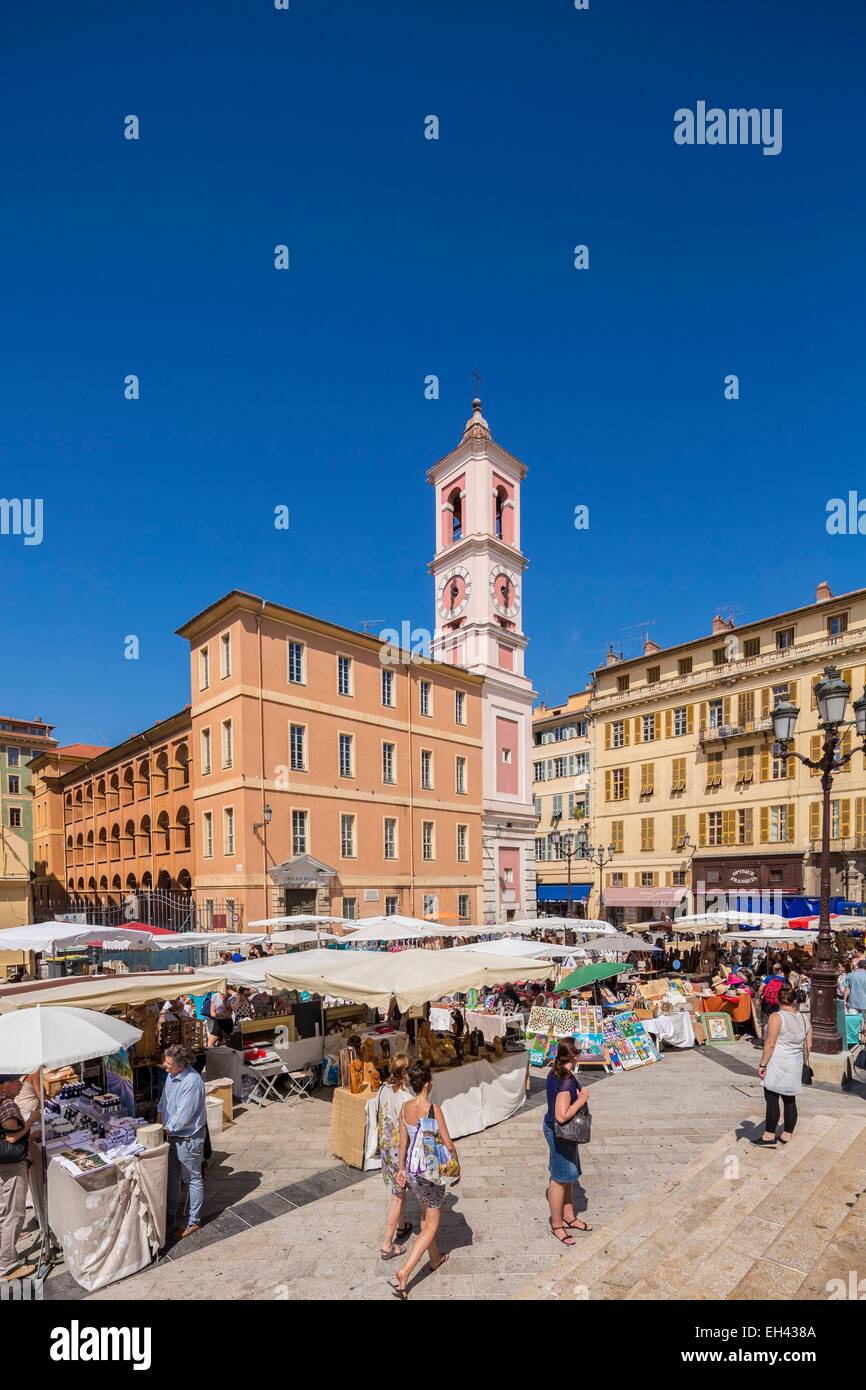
(564, 1163)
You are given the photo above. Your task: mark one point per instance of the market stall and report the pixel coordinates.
(475, 1085)
(98, 1190)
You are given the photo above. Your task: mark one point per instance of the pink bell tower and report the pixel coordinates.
(478, 571)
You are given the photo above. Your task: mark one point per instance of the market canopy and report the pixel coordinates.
(300, 919)
(413, 976)
(108, 991)
(618, 941)
(768, 937)
(519, 946)
(59, 1037)
(701, 922)
(394, 928)
(300, 937)
(590, 975)
(48, 936)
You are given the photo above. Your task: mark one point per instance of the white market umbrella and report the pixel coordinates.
(300, 919)
(516, 946)
(58, 1037)
(301, 938)
(597, 945)
(392, 929)
(698, 923)
(413, 976)
(767, 937)
(48, 936)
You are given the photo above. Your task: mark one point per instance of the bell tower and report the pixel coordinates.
(478, 571)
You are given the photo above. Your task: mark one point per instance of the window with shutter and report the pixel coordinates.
(744, 825)
(607, 735)
(669, 723)
(625, 780)
(765, 765)
(814, 820)
(726, 710)
(607, 795)
(765, 824)
(845, 819)
(702, 828)
(729, 827)
(860, 820)
(815, 753)
(844, 748)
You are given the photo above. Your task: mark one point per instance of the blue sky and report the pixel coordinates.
(411, 257)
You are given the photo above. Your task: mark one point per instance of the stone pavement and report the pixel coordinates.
(286, 1220)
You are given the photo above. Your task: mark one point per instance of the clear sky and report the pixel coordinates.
(412, 257)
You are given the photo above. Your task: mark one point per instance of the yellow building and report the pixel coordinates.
(14, 878)
(687, 787)
(560, 784)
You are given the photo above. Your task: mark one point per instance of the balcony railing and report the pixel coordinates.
(713, 733)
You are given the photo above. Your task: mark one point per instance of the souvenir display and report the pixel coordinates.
(628, 1043)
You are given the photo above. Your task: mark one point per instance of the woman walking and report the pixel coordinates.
(392, 1097)
(786, 1049)
(564, 1099)
(431, 1195)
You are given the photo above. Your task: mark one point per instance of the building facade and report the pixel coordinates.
(478, 569)
(20, 741)
(333, 772)
(112, 823)
(688, 787)
(561, 782)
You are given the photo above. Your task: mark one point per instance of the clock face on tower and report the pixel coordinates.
(505, 592)
(453, 592)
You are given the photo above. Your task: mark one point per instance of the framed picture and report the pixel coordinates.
(718, 1028)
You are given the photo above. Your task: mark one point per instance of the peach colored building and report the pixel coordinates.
(369, 760)
(112, 822)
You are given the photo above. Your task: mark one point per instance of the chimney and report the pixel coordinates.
(611, 659)
(721, 624)
(650, 647)
(823, 592)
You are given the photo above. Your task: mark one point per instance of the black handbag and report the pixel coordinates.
(13, 1150)
(577, 1130)
(807, 1073)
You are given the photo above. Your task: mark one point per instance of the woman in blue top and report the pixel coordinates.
(564, 1098)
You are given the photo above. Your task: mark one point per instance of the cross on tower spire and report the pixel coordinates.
(477, 376)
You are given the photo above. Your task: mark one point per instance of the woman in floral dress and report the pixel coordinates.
(392, 1097)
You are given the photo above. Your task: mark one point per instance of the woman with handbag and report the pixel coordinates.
(784, 1066)
(566, 1124)
(393, 1095)
(428, 1164)
(14, 1144)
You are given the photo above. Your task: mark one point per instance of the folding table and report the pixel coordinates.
(265, 1078)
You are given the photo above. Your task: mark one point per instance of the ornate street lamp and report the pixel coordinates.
(598, 856)
(831, 694)
(564, 848)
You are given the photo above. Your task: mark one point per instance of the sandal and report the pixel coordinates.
(434, 1269)
(577, 1225)
(397, 1290)
(564, 1240)
(392, 1253)
(403, 1232)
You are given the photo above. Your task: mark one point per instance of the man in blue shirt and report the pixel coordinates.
(854, 988)
(183, 1114)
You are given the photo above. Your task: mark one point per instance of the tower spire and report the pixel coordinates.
(476, 426)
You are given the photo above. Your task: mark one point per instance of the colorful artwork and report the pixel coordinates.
(118, 1080)
(718, 1028)
(628, 1043)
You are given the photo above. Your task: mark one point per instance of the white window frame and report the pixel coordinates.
(350, 908)
(350, 745)
(617, 733)
(206, 744)
(462, 844)
(16, 778)
(389, 899)
(461, 899)
(19, 823)
(348, 693)
(428, 840)
(204, 668)
(302, 765)
(225, 655)
(228, 831)
(460, 707)
(680, 721)
(300, 819)
(207, 835)
(348, 816)
(302, 649)
(461, 782)
(392, 780)
(426, 770)
(386, 822)
(227, 744)
(387, 678)
(425, 696)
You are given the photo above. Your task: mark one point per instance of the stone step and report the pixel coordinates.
(732, 1223)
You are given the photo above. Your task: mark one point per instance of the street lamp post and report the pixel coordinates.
(831, 694)
(564, 848)
(597, 855)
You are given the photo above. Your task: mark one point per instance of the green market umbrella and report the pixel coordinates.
(590, 975)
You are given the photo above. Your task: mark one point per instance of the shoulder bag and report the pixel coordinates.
(428, 1157)
(13, 1150)
(577, 1130)
(807, 1070)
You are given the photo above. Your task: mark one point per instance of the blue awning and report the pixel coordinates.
(558, 892)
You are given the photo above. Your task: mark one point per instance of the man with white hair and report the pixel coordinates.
(14, 1138)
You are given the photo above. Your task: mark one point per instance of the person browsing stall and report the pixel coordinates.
(13, 1180)
(854, 988)
(184, 1118)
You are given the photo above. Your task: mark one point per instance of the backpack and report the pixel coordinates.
(771, 990)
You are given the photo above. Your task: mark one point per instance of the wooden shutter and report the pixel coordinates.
(815, 820)
(766, 698)
(705, 714)
(792, 692)
(607, 735)
(792, 823)
(625, 773)
(847, 676)
(765, 765)
(669, 723)
(815, 753)
(625, 733)
(702, 828)
(844, 818)
(726, 709)
(813, 704)
(729, 827)
(765, 824)
(637, 737)
(790, 767)
(845, 747)
(690, 719)
(860, 817)
(607, 785)
(748, 825)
